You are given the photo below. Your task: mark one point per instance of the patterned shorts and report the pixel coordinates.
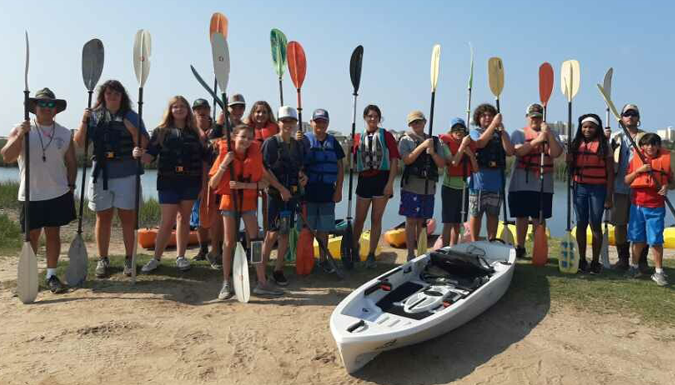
(484, 202)
(416, 205)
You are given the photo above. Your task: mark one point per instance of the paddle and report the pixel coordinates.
(604, 249)
(92, 67)
(607, 86)
(297, 68)
(569, 260)
(279, 42)
(27, 278)
(329, 257)
(347, 244)
(468, 123)
(496, 81)
(142, 52)
(540, 247)
(219, 23)
(207, 88)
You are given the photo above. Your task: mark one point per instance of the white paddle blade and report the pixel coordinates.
(570, 79)
(607, 82)
(496, 76)
(609, 103)
(27, 61)
(221, 59)
(604, 250)
(76, 273)
(27, 278)
(142, 51)
(242, 287)
(435, 62)
(507, 235)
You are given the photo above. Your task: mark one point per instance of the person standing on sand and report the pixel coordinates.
(112, 126)
(53, 170)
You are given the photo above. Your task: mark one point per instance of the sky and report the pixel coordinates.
(397, 36)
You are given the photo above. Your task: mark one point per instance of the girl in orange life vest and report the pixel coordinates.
(376, 159)
(261, 119)
(460, 164)
(591, 163)
(647, 209)
(248, 169)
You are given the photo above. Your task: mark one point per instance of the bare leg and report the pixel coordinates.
(492, 223)
(379, 204)
(128, 219)
(53, 237)
(475, 225)
(362, 206)
(165, 228)
(228, 245)
(521, 231)
(102, 230)
(183, 226)
(658, 256)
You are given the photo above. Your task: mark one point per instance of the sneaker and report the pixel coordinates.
(225, 292)
(55, 286)
(583, 266)
(633, 272)
(659, 278)
(370, 261)
(182, 264)
(201, 256)
(595, 268)
(127, 267)
(521, 253)
(279, 278)
(216, 261)
(323, 265)
(152, 265)
(267, 290)
(644, 268)
(102, 267)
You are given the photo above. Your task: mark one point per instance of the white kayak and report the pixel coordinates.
(420, 300)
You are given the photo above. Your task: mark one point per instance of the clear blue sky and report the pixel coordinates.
(397, 36)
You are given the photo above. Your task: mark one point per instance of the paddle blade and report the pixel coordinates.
(142, 52)
(92, 63)
(76, 273)
(570, 79)
(422, 246)
(609, 103)
(218, 24)
(607, 82)
(470, 70)
(347, 248)
(435, 63)
(240, 274)
(278, 41)
(540, 248)
(496, 76)
(221, 59)
(604, 248)
(206, 86)
(27, 61)
(545, 83)
(355, 64)
(507, 235)
(297, 63)
(569, 255)
(27, 279)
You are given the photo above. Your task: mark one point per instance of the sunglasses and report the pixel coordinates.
(46, 104)
(630, 114)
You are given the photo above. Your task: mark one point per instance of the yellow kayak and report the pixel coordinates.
(668, 236)
(530, 231)
(334, 242)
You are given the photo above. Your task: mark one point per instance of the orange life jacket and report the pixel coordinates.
(453, 145)
(589, 166)
(249, 169)
(532, 160)
(660, 167)
(269, 130)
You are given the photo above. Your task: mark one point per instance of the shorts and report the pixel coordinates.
(120, 194)
(373, 186)
(416, 205)
(275, 208)
(621, 210)
(484, 202)
(176, 195)
(231, 213)
(646, 225)
(194, 216)
(321, 216)
(525, 204)
(589, 203)
(452, 204)
(54, 212)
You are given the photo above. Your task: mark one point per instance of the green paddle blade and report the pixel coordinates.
(470, 70)
(142, 52)
(92, 63)
(435, 63)
(496, 76)
(570, 79)
(278, 40)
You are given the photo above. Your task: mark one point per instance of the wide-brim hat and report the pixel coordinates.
(46, 94)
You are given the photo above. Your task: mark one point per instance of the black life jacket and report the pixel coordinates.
(180, 154)
(112, 143)
(424, 166)
(288, 164)
(492, 155)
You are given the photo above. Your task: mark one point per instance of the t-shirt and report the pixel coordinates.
(391, 147)
(166, 182)
(415, 184)
(270, 153)
(523, 180)
(485, 179)
(319, 192)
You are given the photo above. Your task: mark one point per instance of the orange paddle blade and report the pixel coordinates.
(545, 83)
(297, 63)
(218, 24)
(540, 249)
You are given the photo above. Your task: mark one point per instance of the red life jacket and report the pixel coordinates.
(660, 167)
(589, 166)
(249, 170)
(532, 160)
(269, 130)
(460, 169)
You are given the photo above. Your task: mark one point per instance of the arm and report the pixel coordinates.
(506, 143)
(438, 159)
(81, 133)
(487, 135)
(630, 177)
(472, 159)
(555, 149)
(133, 130)
(12, 149)
(412, 156)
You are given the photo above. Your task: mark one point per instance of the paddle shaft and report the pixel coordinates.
(84, 166)
(541, 176)
(503, 174)
(464, 158)
(281, 91)
(26, 184)
(569, 172)
(215, 100)
(431, 132)
(349, 159)
(138, 161)
(228, 137)
(300, 111)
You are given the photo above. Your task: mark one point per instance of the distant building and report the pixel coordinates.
(667, 134)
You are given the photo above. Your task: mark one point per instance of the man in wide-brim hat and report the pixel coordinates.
(53, 170)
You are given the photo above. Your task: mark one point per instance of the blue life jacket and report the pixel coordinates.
(321, 162)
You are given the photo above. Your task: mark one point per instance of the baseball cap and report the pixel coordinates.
(236, 99)
(629, 107)
(320, 114)
(415, 115)
(457, 121)
(534, 110)
(286, 112)
(198, 103)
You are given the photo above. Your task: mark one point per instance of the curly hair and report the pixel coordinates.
(483, 109)
(114, 85)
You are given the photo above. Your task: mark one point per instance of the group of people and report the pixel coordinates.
(211, 174)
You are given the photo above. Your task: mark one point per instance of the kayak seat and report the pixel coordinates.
(461, 265)
(405, 290)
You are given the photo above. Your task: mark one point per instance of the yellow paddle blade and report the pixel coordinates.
(422, 246)
(435, 61)
(569, 255)
(540, 249)
(496, 75)
(27, 278)
(570, 79)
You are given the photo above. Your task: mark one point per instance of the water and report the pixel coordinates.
(557, 224)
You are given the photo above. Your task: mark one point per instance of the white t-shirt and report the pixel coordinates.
(48, 175)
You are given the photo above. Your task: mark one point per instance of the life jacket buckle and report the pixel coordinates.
(179, 168)
(110, 155)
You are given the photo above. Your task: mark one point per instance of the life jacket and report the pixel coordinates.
(112, 142)
(661, 170)
(589, 167)
(180, 154)
(249, 170)
(322, 161)
(424, 166)
(492, 155)
(269, 130)
(287, 166)
(460, 169)
(532, 160)
(372, 152)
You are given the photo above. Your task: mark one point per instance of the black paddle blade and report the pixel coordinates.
(355, 67)
(92, 63)
(347, 248)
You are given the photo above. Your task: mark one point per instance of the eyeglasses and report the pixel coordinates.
(630, 113)
(46, 104)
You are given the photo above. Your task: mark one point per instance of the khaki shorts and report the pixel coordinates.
(621, 210)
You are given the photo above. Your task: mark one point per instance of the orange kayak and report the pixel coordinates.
(396, 236)
(147, 237)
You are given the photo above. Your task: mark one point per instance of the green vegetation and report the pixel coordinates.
(10, 235)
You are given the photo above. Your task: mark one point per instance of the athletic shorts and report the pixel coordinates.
(646, 225)
(416, 205)
(484, 202)
(373, 186)
(452, 204)
(176, 195)
(589, 203)
(525, 204)
(321, 216)
(620, 214)
(120, 194)
(276, 208)
(54, 212)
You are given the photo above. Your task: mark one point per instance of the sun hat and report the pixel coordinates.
(48, 95)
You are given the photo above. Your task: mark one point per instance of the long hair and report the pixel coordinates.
(270, 115)
(168, 121)
(114, 85)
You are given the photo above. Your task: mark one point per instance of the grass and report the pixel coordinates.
(10, 235)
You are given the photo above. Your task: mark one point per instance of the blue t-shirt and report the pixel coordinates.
(485, 179)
